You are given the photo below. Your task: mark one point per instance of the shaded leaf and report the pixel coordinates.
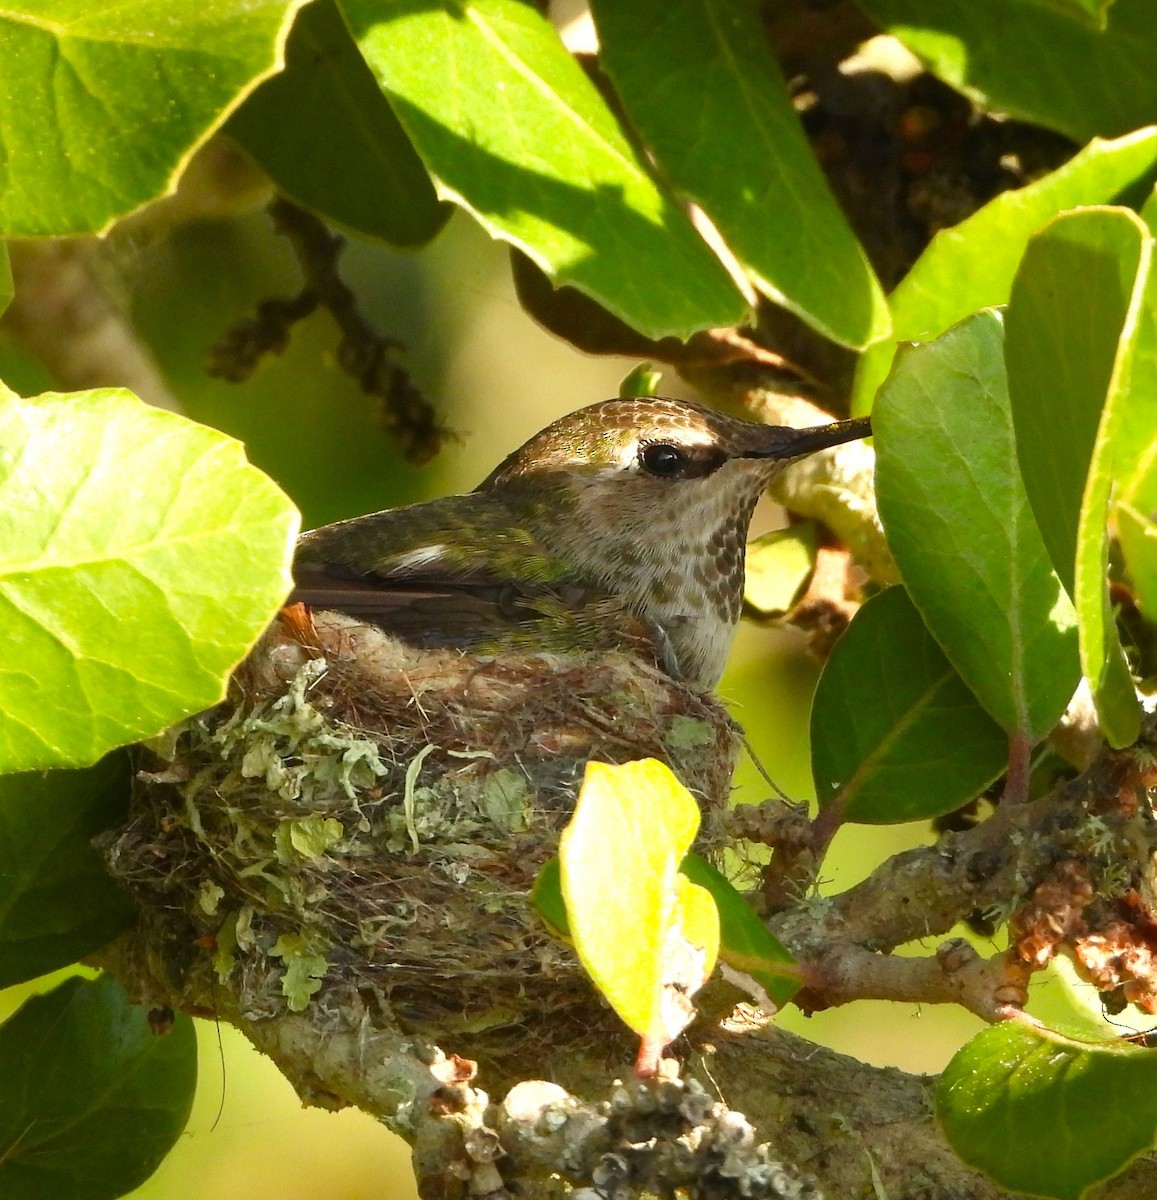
(327, 136)
(1092, 1106)
(895, 733)
(961, 530)
(971, 265)
(718, 117)
(93, 1100)
(1093, 13)
(513, 130)
(5, 285)
(140, 558)
(101, 106)
(546, 896)
(1069, 355)
(57, 901)
(1022, 58)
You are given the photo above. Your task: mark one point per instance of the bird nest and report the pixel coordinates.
(360, 818)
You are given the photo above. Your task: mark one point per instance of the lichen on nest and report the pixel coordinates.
(361, 815)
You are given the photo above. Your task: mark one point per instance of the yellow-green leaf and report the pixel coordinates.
(141, 556)
(779, 564)
(642, 935)
(745, 942)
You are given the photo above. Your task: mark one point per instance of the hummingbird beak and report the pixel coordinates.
(794, 443)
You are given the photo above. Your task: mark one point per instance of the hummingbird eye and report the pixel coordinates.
(662, 459)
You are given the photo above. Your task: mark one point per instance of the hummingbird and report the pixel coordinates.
(622, 524)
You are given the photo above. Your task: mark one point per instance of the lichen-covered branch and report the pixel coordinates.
(338, 861)
(1069, 872)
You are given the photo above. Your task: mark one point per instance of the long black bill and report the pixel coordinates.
(793, 443)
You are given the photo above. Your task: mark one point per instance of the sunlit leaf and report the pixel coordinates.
(745, 943)
(140, 558)
(639, 932)
(1135, 451)
(1138, 534)
(101, 105)
(514, 131)
(971, 265)
(701, 85)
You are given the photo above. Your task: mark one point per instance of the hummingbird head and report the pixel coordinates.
(657, 442)
(654, 497)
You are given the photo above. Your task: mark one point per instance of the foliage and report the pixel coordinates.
(93, 1097)
(648, 936)
(85, 558)
(1010, 362)
(1013, 1085)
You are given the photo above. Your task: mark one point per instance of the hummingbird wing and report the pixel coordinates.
(460, 571)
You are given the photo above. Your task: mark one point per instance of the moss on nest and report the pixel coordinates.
(360, 815)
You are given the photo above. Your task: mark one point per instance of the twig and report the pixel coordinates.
(364, 353)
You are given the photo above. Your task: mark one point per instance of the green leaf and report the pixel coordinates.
(1135, 435)
(546, 896)
(895, 733)
(513, 130)
(140, 558)
(961, 530)
(779, 564)
(643, 936)
(101, 106)
(1069, 355)
(971, 265)
(1085, 1109)
(1135, 453)
(642, 380)
(1138, 534)
(57, 901)
(1022, 58)
(745, 943)
(5, 282)
(93, 1099)
(327, 136)
(1093, 13)
(1061, 351)
(700, 84)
